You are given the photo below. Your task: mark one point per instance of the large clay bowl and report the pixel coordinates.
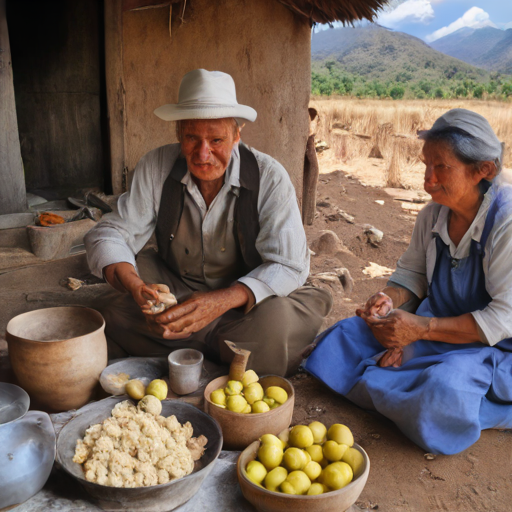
(156, 498)
(240, 430)
(27, 447)
(268, 501)
(57, 355)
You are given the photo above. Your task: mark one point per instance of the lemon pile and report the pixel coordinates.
(150, 397)
(247, 396)
(309, 459)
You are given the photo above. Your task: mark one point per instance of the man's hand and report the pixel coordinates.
(378, 305)
(197, 312)
(124, 278)
(398, 328)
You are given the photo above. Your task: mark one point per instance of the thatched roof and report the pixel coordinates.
(315, 11)
(328, 11)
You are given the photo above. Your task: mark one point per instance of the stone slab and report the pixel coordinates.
(16, 220)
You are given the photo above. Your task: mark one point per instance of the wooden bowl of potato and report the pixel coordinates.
(238, 429)
(268, 501)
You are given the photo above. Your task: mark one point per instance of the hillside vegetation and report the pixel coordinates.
(376, 62)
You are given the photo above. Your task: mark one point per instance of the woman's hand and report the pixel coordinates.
(378, 305)
(392, 357)
(398, 328)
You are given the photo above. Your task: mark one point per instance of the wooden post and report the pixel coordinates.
(311, 171)
(116, 107)
(13, 196)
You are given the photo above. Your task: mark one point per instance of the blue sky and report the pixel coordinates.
(431, 19)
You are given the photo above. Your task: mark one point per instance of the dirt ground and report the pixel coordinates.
(401, 478)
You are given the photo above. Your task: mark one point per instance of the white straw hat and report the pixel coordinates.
(206, 95)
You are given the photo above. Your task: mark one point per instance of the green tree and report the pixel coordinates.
(478, 91)
(397, 92)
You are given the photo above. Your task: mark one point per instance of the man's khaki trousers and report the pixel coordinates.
(276, 330)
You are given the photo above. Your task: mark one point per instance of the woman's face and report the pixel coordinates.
(449, 181)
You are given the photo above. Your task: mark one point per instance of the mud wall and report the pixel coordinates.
(263, 45)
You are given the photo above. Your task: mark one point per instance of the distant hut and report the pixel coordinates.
(87, 75)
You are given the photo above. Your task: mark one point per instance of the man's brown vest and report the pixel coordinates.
(246, 224)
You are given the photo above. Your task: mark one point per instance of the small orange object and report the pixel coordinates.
(50, 219)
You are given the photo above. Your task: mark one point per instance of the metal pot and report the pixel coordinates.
(27, 447)
(58, 354)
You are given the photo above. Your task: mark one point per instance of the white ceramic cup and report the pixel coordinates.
(185, 367)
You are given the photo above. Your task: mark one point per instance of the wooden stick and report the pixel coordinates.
(239, 362)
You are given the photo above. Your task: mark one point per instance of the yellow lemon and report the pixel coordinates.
(341, 434)
(158, 388)
(299, 481)
(253, 392)
(301, 436)
(256, 472)
(287, 488)
(355, 460)
(334, 451)
(233, 387)
(249, 377)
(275, 478)
(218, 397)
(313, 470)
(337, 476)
(236, 403)
(271, 439)
(135, 389)
(294, 459)
(277, 393)
(270, 455)
(315, 489)
(284, 436)
(260, 406)
(315, 451)
(269, 401)
(319, 431)
(308, 456)
(247, 409)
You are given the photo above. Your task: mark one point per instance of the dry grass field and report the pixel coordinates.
(376, 140)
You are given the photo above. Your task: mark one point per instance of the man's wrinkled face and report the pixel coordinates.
(206, 144)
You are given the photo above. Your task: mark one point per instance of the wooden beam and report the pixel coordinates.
(13, 196)
(116, 107)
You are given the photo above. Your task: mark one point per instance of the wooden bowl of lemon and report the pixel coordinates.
(239, 429)
(328, 475)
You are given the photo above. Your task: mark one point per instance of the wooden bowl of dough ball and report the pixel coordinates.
(240, 430)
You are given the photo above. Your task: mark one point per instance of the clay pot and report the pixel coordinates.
(57, 355)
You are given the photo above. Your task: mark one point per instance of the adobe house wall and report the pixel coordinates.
(262, 44)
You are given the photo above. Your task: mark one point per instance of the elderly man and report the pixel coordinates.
(231, 245)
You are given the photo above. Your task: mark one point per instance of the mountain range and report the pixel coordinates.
(489, 48)
(377, 53)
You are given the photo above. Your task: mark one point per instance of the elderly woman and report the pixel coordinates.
(444, 373)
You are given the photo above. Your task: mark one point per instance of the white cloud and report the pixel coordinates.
(410, 11)
(473, 18)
